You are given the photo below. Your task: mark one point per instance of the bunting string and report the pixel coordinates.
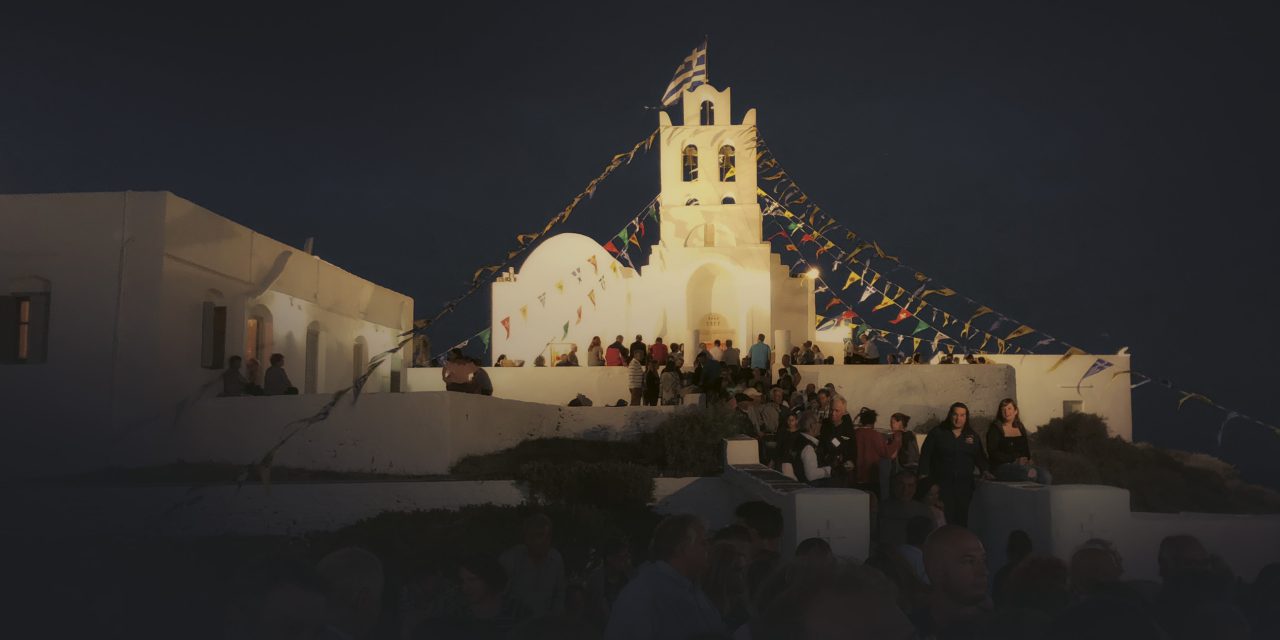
(785, 199)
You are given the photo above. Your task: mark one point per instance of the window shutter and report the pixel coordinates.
(206, 335)
(219, 336)
(8, 329)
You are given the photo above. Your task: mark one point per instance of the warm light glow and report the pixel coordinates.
(812, 274)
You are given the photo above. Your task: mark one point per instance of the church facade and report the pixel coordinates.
(711, 275)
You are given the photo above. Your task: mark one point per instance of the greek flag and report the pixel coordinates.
(691, 74)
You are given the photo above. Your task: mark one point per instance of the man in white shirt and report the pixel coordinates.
(716, 352)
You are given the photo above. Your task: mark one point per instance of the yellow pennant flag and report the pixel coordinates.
(853, 277)
(964, 333)
(946, 319)
(526, 238)
(592, 296)
(1019, 332)
(920, 277)
(942, 292)
(951, 348)
(921, 307)
(889, 289)
(1003, 346)
(1070, 352)
(884, 303)
(986, 337)
(524, 312)
(613, 266)
(560, 286)
(874, 279)
(916, 342)
(982, 311)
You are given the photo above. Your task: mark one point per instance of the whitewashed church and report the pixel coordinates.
(710, 276)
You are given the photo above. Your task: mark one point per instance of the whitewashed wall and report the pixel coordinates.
(129, 274)
(1041, 392)
(412, 433)
(922, 392)
(1061, 517)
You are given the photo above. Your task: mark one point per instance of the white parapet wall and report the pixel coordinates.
(1049, 387)
(1061, 517)
(922, 392)
(840, 516)
(406, 433)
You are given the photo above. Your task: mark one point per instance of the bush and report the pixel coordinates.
(1079, 449)
(691, 443)
(414, 543)
(600, 484)
(505, 464)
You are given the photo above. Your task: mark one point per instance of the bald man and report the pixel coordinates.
(956, 563)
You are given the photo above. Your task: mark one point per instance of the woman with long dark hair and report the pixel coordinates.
(1009, 448)
(951, 453)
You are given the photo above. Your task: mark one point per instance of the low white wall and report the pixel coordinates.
(840, 516)
(922, 392)
(1061, 517)
(412, 433)
(286, 509)
(1042, 391)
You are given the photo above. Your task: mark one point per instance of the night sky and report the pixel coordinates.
(1104, 173)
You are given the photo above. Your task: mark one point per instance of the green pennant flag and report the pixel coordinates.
(652, 211)
(566, 331)
(623, 236)
(484, 337)
(920, 326)
(793, 226)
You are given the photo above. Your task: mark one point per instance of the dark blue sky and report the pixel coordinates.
(1102, 171)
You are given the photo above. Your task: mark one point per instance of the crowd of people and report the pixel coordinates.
(924, 580)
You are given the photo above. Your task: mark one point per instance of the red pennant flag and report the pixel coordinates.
(781, 234)
(640, 225)
(506, 324)
(807, 238)
(849, 315)
(791, 247)
(902, 315)
(834, 302)
(635, 241)
(610, 248)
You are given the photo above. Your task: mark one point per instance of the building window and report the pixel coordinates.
(253, 339)
(728, 200)
(691, 202)
(24, 325)
(213, 336)
(689, 162)
(708, 113)
(1072, 406)
(728, 168)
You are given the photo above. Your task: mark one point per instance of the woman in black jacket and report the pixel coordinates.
(1009, 448)
(951, 453)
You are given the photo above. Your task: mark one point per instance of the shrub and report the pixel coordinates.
(505, 464)
(1079, 450)
(601, 484)
(691, 443)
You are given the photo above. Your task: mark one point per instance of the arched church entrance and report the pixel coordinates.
(712, 304)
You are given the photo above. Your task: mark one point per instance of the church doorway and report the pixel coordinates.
(712, 303)
(714, 327)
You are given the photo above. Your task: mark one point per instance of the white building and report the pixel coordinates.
(117, 308)
(710, 276)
